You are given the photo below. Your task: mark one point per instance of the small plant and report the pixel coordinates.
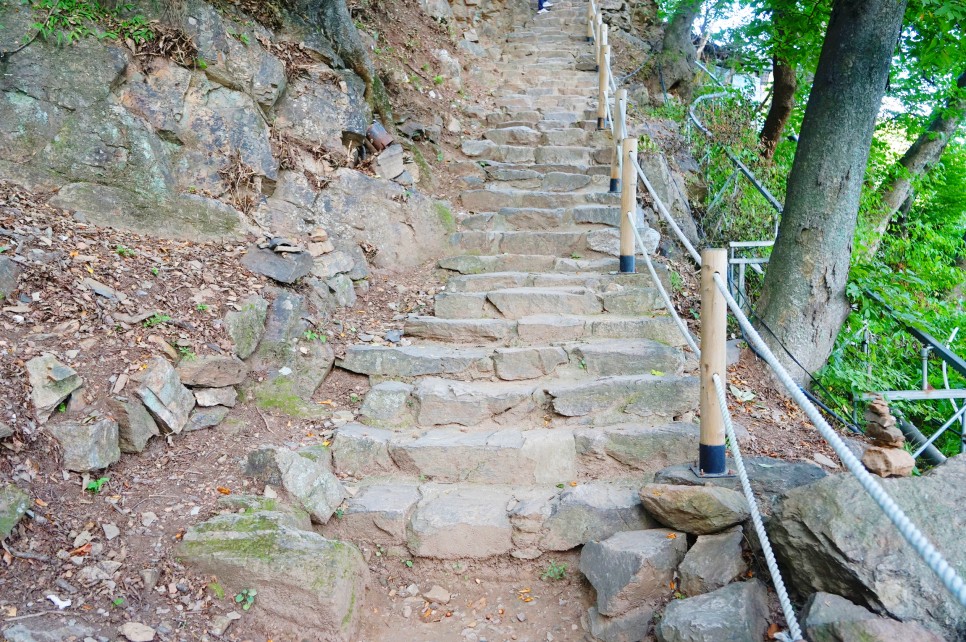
(339, 513)
(425, 67)
(408, 563)
(240, 37)
(124, 251)
(156, 319)
(155, 271)
(62, 407)
(202, 307)
(554, 571)
(438, 79)
(582, 364)
(95, 485)
(246, 598)
(201, 64)
(118, 602)
(312, 335)
(677, 283)
(217, 590)
(575, 256)
(354, 398)
(187, 353)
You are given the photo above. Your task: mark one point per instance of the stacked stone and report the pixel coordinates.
(887, 456)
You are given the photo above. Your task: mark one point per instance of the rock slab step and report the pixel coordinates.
(693, 509)
(736, 613)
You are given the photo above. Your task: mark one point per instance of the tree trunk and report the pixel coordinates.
(918, 160)
(803, 298)
(674, 71)
(782, 104)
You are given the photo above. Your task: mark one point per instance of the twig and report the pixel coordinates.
(5, 54)
(27, 617)
(25, 556)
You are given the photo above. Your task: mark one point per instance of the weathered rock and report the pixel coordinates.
(513, 364)
(9, 277)
(712, 562)
(305, 474)
(207, 397)
(437, 594)
(209, 417)
(362, 450)
(769, 477)
(888, 462)
(304, 581)
(632, 626)
(135, 424)
(627, 357)
(51, 382)
(378, 514)
(388, 404)
(87, 446)
(653, 398)
(163, 394)
(632, 567)
(831, 536)
(830, 618)
(454, 522)
(443, 401)
(47, 630)
(212, 371)
(389, 162)
(693, 509)
(246, 325)
(13, 505)
(5, 430)
(738, 612)
(647, 449)
(342, 290)
(412, 361)
(137, 632)
(593, 511)
(333, 263)
(286, 267)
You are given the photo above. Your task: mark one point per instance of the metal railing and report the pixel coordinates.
(716, 265)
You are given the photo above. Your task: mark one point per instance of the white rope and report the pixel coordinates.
(664, 296)
(662, 210)
(923, 547)
(794, 632)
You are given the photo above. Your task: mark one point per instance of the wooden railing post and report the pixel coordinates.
(590, 22)
(602, 88)
(628, 205)
(598, 30)
(620, 132)
(714, 322)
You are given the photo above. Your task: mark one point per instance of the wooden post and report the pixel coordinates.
(590, 22)
(598, 25)
(620, 132)
(602, 89)
(628, 204)
(714, 324)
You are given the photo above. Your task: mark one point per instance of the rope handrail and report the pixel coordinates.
(662, 210)
(682, 328)
(919, 542)
(794, 632)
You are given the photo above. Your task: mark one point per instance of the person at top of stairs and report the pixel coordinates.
(543, 7)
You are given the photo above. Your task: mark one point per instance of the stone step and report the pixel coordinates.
(516, 177)
(515, 303)
(477, 264)
(493, 200)
(544, 328)
(525, 242)
(610, 400)
(501, 280)
(512, 218)
(569, 137)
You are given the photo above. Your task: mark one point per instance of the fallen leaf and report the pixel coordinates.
(40, 503)
(573, 484)
(672, 535)
(81, 550)
(223, 490)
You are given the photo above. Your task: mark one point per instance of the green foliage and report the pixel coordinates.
(438, 79)
(217, 590)
(95, 485)
(68, 21)
(312, 335)
(246, 598)
(187, 353)
(124, 252)
(156, 319)
(554, 571)
(202, 307)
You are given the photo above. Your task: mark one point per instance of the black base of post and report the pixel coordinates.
(615, 185)
(590, 38)
(600, 124)
(711, 462)
(627, 266)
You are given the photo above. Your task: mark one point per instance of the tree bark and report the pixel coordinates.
(921, 156)
(782, 104)
(674, 71)
(803, 298)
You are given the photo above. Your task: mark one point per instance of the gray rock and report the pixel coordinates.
(632, 567)
(304, 581)
(209, 417)
(627, 357)
(207, 397)
(135, 424)
(632, 626)
(443, 401)
(342, 290)
(456, 522)
(13, 505)
(168, 401)
(316, 110)
(389, 162)
(831, 536)
(212, 371)
(387, 404)
(593, 511)
(769, 477)
(648, 397)
(362, 450)
(712, 562)
(5, 430)
(693, 509)
(302, 475)
(735, 613)
(9, 277)
(333, 263)
(412, 361)
(379, 514)
(647, 449)
(51, 382)
(830, 618)
(513, 364)
(284, 267)
(246, 325)
(87, 446)
(48, 630)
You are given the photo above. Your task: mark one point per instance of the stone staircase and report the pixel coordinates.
(524, 416)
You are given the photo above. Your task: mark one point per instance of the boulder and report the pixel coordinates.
(632, 567)
(87, 446)
(888, 462)
(284, 267)
(203, 418)
(342, 289)
(304, 581)
(736, 613)
(135, 424)
(831, 536)
(830, 618)
(389, 162)
(212, 371)
(305, 474)
(168, 401)
(699, 510)
(51, 382)
(713, 562)
(378, 513)
(632, 626)
(208, 397)
(9, 277)
(593, 511)
(13, 505)
(246, 325)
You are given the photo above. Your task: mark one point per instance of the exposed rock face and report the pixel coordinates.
(830, 536)
(212, 371)
(830, 618)
(87, 446)
(694, 509)
(51, 382)
(304, 581)
(712, 562)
